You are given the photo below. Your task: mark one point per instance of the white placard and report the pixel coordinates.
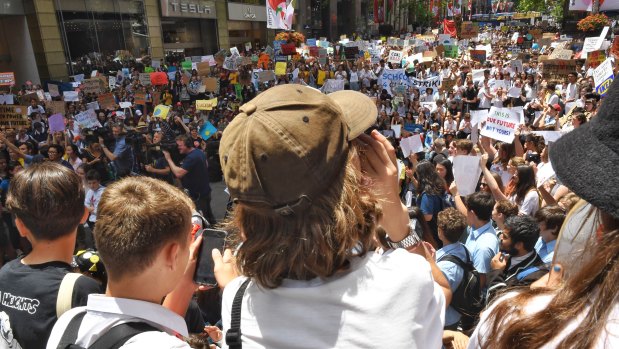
(395, 57)
(6, 99)
(549, 136)
(601, 73)
(93, 105)
(87, 119)
(478, 75)
(466, 173)
(478, 116)
(397, 129)
(514, 92)
(591, 44)
(70, 96)
(543, 174)
(501, 124)
(411, 145)
(125, 105)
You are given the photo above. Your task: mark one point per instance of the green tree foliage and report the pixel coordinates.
(555, 8)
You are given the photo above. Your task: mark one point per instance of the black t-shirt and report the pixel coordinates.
(28, 295)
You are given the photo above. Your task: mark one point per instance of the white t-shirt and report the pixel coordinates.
(529, 205)
(388, 301)
(609, 337)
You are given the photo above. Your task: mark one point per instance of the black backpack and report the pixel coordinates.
(112, 339)
(468, 299)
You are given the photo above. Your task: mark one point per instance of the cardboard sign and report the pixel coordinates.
(395, 57)
(556, 70)
(204, 68)
(159, 78)
(502, 123)
(25, 99)
(265, 75)
(210, 84)
(469, 30)
(139, 98)
(560, 53)
(7, 79)
(106, 101)
(536, 33)
(13, 115)
(145, 79)
(56, 107)
(91, 86)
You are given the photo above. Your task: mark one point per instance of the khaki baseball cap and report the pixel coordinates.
(287, 145)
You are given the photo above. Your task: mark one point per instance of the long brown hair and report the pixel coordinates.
(315, 243)
(592, 292)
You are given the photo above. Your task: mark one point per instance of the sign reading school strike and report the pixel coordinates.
(394, 77)
(13, 115)
(502, 123)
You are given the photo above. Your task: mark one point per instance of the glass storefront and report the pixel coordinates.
(189, 26)
(247, 23)
(92, 27)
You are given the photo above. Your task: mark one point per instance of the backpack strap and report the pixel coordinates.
(118, 335)
(70, 333)
(233, 335)
(523, 274)
(65, 293)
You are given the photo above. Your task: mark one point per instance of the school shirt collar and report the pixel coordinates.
(475, 233)
(153, 313)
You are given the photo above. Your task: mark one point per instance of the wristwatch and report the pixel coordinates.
(410, 240)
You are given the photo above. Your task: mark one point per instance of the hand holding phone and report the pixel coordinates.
(211, 239)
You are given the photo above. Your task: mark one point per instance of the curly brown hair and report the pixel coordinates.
(316, 243)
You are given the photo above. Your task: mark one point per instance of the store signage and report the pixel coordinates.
(245, 12)
(188, 8)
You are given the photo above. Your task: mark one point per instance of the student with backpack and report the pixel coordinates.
(455, 262)
(47, 200)
(143, 235)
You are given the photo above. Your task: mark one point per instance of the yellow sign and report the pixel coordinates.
(206, 104)
(321, 77)
(280, 68)
(161, 111)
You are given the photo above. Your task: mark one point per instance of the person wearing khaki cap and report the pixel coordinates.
(311, 190)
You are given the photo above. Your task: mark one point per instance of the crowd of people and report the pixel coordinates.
(340, 233)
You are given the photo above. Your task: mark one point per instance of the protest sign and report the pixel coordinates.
(207, 130)
(6, 99)
(514, 92)
(93, 105)
(106, 101)
(549, 136)
(204, 68)
(13, 115)
(591, 44)
(595, 58)
(161, 111)
(186, 65)
(91, 86)
(139, 98)
(87, 119)
(561, 54)
(322, 56)
(112, 82)
(56, 123)
(56, 107)
(478, 75)
(466, 172)
(78, 77)
(288, 49)
(603, 77)
(145, 79)
(53, 90)
(469, 30)
(7, 79)
(397, 130)
(478, 55)
(280, 68)
(159, 78)
(234, 51)
(536, 33)
(206, 104)
(70, 96)
(411, 145)
(544, 173)
(265, 75)
(448, 84)
(451, 51)
(332, 85)
(517, 65)
(25, 99)
(394, 77)
(124, 105)
(210, 84)
(502, 123)
(351, 52)
(556, 70)
(478, 116)
(395, 57)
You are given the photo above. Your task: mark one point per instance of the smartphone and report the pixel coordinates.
(211, 239)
